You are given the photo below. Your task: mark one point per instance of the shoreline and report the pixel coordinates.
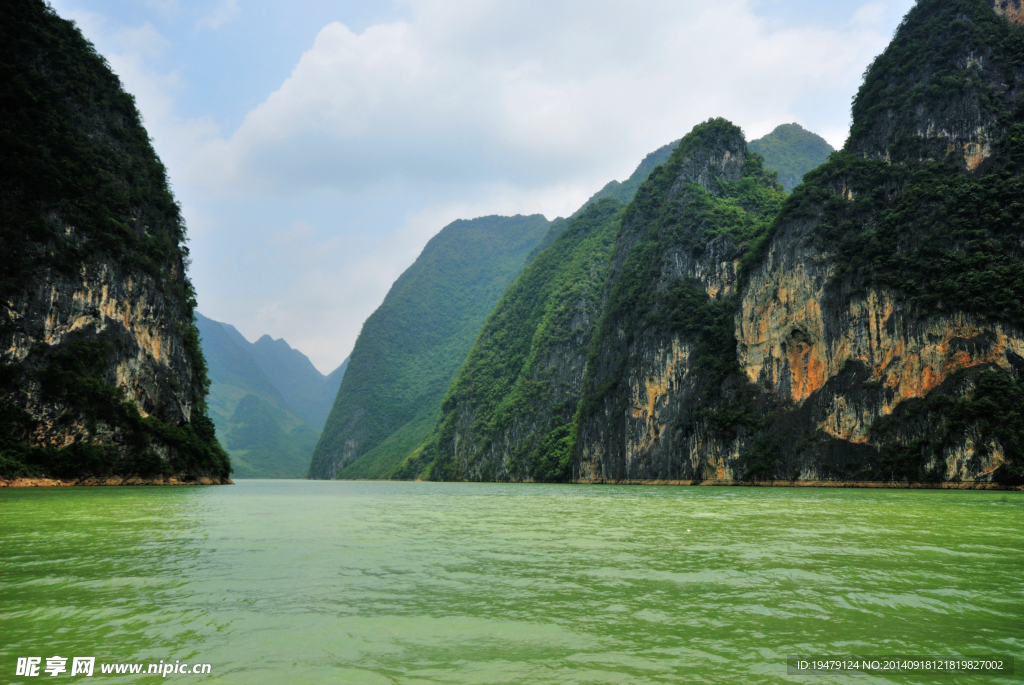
(117, 481)
(112, 481)
(892, 485)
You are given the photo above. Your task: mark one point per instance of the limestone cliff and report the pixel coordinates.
(101, 370)
(868, 328)
(878, 335)
(662, 379)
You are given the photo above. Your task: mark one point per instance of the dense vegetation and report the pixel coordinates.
(510, 376)
(80, 183)
(261, 426)
(953, 66)
(792, 151)
(942, 239)
(411, 348)
(740, 210)
(73, 152)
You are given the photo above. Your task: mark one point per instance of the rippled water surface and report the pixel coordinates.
(342, 582)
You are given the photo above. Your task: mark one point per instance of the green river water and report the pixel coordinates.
(381, 583)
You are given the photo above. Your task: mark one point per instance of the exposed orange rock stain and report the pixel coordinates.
(654, 392)
(807, 370)
(976, 153)
(1013, 10)
(908, 357)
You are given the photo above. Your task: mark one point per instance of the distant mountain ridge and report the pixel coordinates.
(266, 399)
(792, 151)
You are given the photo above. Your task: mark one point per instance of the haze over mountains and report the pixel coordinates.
(267, 400)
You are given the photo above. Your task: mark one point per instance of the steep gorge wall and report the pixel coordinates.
(148, 359)
(878, 333)
(509, 414)
(867, 327)
(101, 374)
(653, 393)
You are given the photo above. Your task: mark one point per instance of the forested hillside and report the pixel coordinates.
(522, 353)
(514, 398)
(412, 346)
(101, 374)
(866, 328)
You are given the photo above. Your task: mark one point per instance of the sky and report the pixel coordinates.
(315, 147)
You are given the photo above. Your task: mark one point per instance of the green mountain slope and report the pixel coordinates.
(264, 437)
(412, 346)
(264, 432)
(792, 151)
(102, 374)
(510, 410)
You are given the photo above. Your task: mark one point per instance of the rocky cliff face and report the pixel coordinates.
(944, 89)
(869, 328)
(147, 359)
(864, 339)
(100, 369)
(1013, 10)
(656, 387)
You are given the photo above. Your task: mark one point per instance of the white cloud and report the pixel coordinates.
(873, 14)
(222, 14)
(464, 109)
(143, 40)
(529, 93)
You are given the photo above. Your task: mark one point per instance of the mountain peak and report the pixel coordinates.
(791, 150)
(712, 150)
(946, 86)
(266, 340)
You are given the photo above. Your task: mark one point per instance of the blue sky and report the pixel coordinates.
(316, 146)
